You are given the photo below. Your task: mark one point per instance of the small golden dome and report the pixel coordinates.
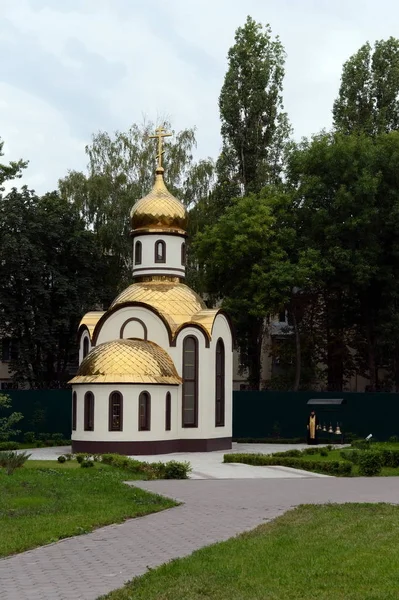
(176, 302)
(127, 361)
(159, 210)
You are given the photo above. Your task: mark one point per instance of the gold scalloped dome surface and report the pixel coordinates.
(127, 361)
(176, 302)
(159, 210)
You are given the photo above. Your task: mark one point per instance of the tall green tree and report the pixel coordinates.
(51, 271)
(254, 125)
(368, 99)
(120, 171)
(252, 263)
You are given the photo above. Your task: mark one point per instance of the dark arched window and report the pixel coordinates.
(115, 412)
(85, 347)
(144, 411)
(137, 253)
(160, 251)
(183, 253)
(190, 382)
(89, 411)
(74, 407)
(219, 385)
(168, 411)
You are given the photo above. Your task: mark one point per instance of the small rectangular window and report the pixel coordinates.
(89, 412)
(74, 407)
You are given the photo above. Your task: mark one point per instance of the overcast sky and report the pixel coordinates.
(72, 67)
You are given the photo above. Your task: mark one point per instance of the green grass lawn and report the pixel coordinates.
(332, 552)
(44, 502)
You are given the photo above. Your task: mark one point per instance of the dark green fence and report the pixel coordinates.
(44, 411)
(262, 414)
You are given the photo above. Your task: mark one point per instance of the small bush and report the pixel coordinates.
(323, 452)
(86, 464)
(370, 463)
(10, 461)
(351, 454)
(9, 446)
(343, 468)
(80, 458)
(310, 451)
(291, 453)
(394, 439)
(361, 444)
(175, 470)
(61, 459)
(39, 444)
(30, 437)
(68, 456)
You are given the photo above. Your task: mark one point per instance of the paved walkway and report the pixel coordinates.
(209, 465)
(85, 567)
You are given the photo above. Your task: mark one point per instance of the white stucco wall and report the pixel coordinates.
(156, 329)
(85, 335)
(173, 264)
(130, 431)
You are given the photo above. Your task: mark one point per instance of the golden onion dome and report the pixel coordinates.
(159, 210)
(176, 302)
(127, 361)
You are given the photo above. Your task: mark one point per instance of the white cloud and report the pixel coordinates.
(76, 67)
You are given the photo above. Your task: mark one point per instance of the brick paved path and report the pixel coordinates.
(84, 567)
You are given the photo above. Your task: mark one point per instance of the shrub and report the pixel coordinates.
(68, 456)
(370, 463)
(330, 468)
(351, 454)
(10, 461)
(80, 458)
(9, 446)
(39, 444)
(323, 452)
(290, 453)
(175, 470)
(394, 439)
(61, 459)
(86, 464)
(57, 437)
(310, 451)
(30, 437)
(390, 458)
(361, 444)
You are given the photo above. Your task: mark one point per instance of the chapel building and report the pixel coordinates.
(155, 369)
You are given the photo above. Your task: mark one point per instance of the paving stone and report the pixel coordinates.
(85, 567)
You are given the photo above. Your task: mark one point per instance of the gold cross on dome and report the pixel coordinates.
(160, 133)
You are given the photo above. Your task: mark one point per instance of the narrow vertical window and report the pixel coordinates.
(115, 412)
(168, 412)
(137, 253)
(219, 385)
(190, 382)
(144, 411)
(74, 407)
(183, 253)
(89, 411)
(160, 251)
(85, 347)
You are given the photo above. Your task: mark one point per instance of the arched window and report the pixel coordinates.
(183, 253)
(137, 253)
(115, 412)
(74, 407)
(168, 411)
(219, 385)
(160, 251)
(85, 347)
(190, 382)
(144, 411)
(89, 411)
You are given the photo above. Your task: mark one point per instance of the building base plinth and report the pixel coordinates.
(151, 447)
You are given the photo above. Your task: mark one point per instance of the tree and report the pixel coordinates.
(51, 270)
(121, 170)
(347, 196)
(254, 126)
(368, 99)
(7, 424)
(252, 263)
(11, 171)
